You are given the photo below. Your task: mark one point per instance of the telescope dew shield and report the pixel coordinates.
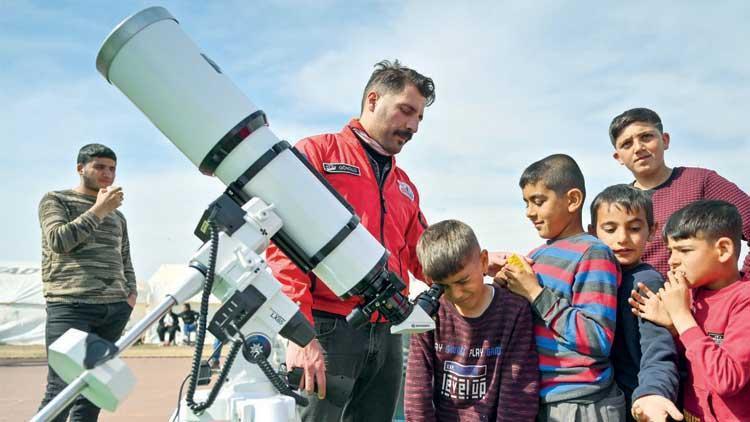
(186, 96)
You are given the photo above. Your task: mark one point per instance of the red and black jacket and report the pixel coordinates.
(390, 213)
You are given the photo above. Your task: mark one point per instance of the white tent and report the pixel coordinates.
(23, 308)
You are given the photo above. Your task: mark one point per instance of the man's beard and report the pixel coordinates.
(90, 183)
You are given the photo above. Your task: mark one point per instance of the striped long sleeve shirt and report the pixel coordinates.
(475, 369)
(84, 259)
(575, 316)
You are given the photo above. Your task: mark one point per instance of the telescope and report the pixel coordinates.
(273, 195)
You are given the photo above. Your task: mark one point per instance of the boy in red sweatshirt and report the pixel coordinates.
(704, 243)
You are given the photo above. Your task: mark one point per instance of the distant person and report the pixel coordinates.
(189, 318)
(640, 142)
(572, 289)
(644, 355)
(704, 243)
(169, 325)
(480, 362)
(87, 275)
(215, 359)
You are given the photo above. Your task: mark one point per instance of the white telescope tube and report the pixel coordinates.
(153, 62)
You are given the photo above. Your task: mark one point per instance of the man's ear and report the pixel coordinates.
(725, 249)
(575, 200)
(79, 168)
(371, 100)
(616, 156)
(665, 140)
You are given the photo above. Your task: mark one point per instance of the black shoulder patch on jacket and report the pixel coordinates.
(341, 168)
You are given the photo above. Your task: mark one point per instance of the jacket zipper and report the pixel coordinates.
(382, 216)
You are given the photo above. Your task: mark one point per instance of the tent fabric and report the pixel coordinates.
(23, 308)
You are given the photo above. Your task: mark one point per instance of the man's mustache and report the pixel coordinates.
(404, 134)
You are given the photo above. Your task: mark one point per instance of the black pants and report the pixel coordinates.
(161, 330)
(372, 356)
(106, 320)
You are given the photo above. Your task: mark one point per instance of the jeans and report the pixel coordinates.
(105, 320)
(372, 356)
(216, 355)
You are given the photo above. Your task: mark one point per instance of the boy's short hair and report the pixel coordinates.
(91, 151)
(628, 117)
(445, 248)
(631, 199)
(707, 219)
(559, 173)
(392, 78)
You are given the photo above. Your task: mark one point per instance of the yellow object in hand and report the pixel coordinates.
(517, 262)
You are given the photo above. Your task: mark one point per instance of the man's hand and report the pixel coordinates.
(310, 359)
(648, 305)
(653, 408)
(131, 299)
(676, 297)
(107, 200)
(521, 281)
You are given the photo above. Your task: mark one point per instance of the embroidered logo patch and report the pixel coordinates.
(406, 189)
(341, 168)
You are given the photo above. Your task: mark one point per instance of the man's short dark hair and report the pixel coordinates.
(629, 198)
(706, 219)
(634, 115)
(445, 248)
(392, 78)
(91, 151)
(559, 173)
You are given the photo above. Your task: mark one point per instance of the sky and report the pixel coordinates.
(515, 82)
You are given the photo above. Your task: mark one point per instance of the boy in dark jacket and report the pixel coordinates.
(644, 354)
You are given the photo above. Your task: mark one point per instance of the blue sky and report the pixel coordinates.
(515, 81)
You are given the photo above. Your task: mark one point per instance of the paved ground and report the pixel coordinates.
(154, 398)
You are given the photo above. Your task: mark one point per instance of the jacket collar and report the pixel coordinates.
(351, 136)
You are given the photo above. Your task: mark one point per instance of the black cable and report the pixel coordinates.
(278, 383)
(201, 332)
(176, 416)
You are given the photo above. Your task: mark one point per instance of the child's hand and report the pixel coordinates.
(521, 281)
(497, 261)
(654, 408)
(648, 305)
(676, 297)
(675, 293)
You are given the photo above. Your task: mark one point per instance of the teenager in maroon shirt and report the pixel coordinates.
(480, 362)
(640, 141)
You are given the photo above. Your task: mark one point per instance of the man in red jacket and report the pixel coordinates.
(359, 163)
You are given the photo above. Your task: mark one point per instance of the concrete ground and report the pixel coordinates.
(153, 399)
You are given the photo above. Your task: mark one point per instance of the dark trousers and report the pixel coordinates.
(107, 321)
(373, 357)
(161, 330)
